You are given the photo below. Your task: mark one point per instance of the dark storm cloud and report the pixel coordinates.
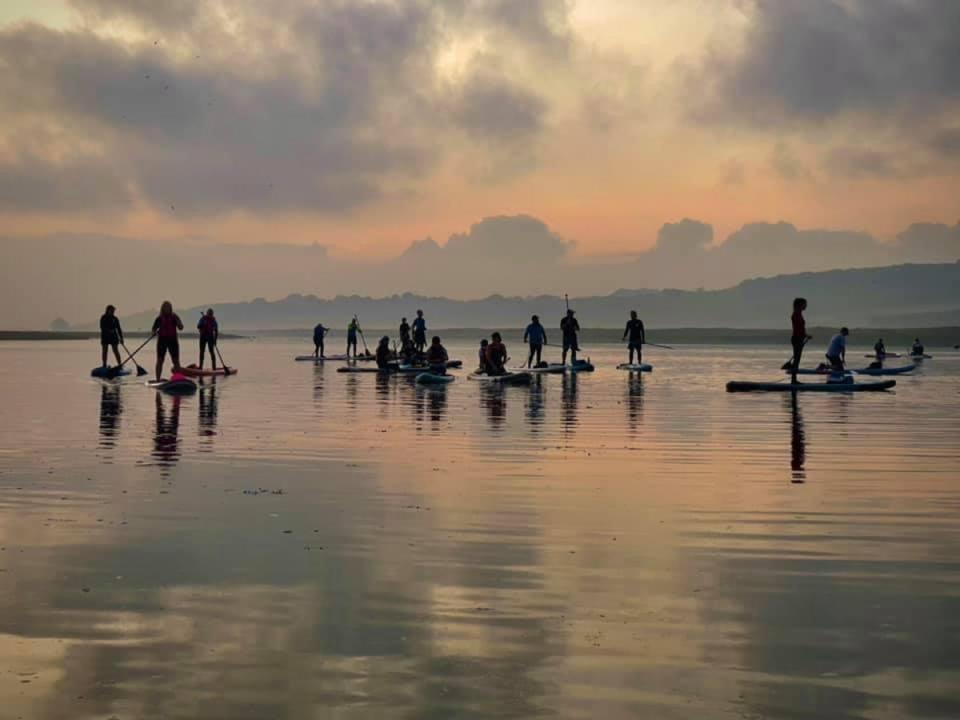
(815, 59)
(312, 106)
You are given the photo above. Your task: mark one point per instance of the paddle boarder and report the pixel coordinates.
(165, 327)
(420, 332)
(319, 332)
(536, 336)
(111, 335)
(570, 327)
(404, 333)
(799, 337)
(496, 356)
(209, 332)
(880, 349)
(437, 357)
(482, 355)
(638, 337)
(917, 348)
(352, 337)
(837, 350)
(383, 355)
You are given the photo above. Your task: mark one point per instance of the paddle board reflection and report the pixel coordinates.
(535, 400)
(318, 383)
(493, 399)
(166, 433)
(208, 408)
(111, 408)
(634, 399)
(569, 401)
(798, 442)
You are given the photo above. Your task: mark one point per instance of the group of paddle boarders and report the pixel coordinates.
(166, 328)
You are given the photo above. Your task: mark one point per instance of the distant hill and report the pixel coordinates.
(863, 297)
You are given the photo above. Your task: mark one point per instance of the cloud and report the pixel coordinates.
(853, 163)
(946, 142)
(498, 110)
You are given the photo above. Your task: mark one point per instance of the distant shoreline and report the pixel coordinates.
(895, 338)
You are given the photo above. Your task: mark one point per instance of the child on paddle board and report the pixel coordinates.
(482, 356)
(536, 335)
(165, 327)
(637, 335)
(799, 337)
(209, 332)
(111, 335)
(437, 357)
(319, 332)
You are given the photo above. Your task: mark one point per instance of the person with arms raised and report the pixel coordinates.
(165, 327)
(111, 334)
(209, 333)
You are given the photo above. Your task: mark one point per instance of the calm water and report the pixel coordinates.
(294, 543)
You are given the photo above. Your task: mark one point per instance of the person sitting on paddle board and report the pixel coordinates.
(420, 332)
(880, 349)
(482, 356)
(383, 354)
(837, 350)
(536, 335)
(165, 327)
(637, 335)
(496, 355)
(437, 357)
(570, 327)
(319, 332)
(111, 335)
(799, 337)
(917, 348)
(209, 332)
(352, 337)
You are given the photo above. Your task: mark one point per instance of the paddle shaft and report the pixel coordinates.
(219, 355)
(140, 370)
(131, 354)
(360, 330)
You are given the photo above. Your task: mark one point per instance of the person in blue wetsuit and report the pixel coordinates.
(319, 332)
(420, 332)
(536, 335)
(111, 335)
(837, 350)
(637, 334)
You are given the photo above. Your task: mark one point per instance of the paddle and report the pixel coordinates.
(112, 372)
(366, 350)
(665, 347)
(140, 371)
(226, 368)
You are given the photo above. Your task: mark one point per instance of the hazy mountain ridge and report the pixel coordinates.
(852, 297)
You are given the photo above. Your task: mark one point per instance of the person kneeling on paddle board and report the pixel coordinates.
(165, 328)
(437, 357)
(570, 327)
(917, 348)
(209, 332)
(637, 335)
(837, 350)
(110, 334)
(496, 356)
(319, 332)
(536, 335)
(383, 354)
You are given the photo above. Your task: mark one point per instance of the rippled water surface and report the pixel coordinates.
(292, 542)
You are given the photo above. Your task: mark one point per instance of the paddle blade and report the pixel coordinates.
(140, 371)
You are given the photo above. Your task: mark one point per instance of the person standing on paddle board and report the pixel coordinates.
(570, 327)
(917, 348)
(352, 337)
(420, 332)
(165, 327)
(209, 332)
(319, 332)
(437, 357)
(496, 355)
(404, 333)
(111, 335)
(799, 337)
(837, 350)
(880, 349)
(536, 335)
(637, 335)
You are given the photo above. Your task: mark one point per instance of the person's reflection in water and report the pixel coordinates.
(437, 401)
(569, 401)
(798, 442)
(352, 385)
(493, 399)
(111, 407)
(207, 409)
(166, 440)
(634, 399)
(535, 400)
(318, 384)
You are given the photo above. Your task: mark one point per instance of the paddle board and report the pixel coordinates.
(737, 386)
(192, 370)
(873, 356)
(635, 367)
(428, 378)
(862, 371)
(510, 378)
(178, 386)
(108, 373)
(924, 356)
(325, 358)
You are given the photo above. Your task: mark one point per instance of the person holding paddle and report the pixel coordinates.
(637, 335)
(209, 332)
(111, 335)
(570, 327)
(318, 334)
(165, 327)
(799, 337)
(352, 337)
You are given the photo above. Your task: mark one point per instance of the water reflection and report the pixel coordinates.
(166, 433)
(534, 404)
(798, 442)
(430, 402)
(634, 400)
(111, 408)
(208, 409)
(569, 402)
(318, 384)
(493, 399)
(351, 387)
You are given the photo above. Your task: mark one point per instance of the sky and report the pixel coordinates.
(367, 127)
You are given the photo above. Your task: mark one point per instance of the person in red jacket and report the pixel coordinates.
(165, 327)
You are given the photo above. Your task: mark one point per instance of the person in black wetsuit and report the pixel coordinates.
(111, 335)
(635, 331)
(437, 357)
(319, 332)
(570, 327)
